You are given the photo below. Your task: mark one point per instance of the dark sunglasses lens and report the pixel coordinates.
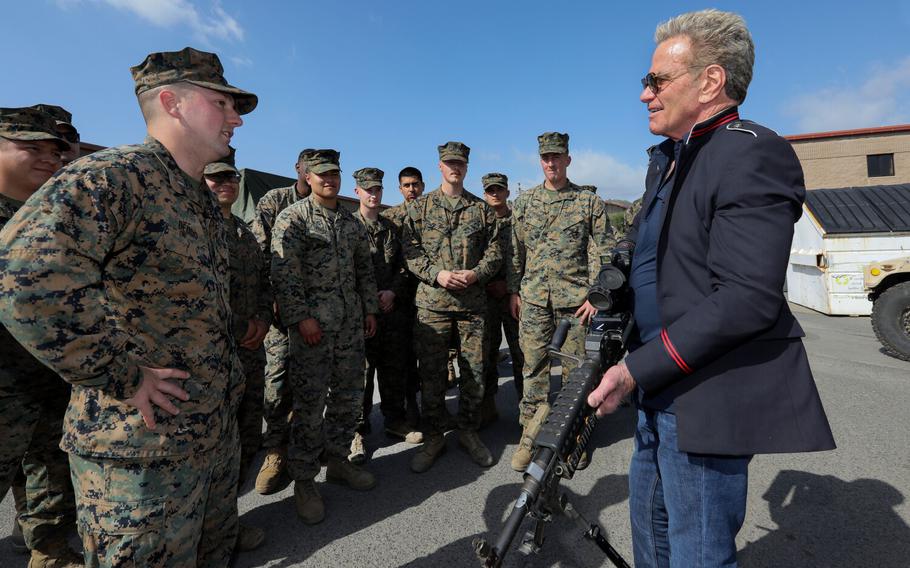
(650, 81)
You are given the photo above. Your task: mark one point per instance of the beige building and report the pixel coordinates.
(854, 158)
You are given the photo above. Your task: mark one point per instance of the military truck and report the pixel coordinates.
(888, 286)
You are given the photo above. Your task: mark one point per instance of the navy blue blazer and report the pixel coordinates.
(730, 352)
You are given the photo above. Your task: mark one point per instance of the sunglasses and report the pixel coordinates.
(656, 82)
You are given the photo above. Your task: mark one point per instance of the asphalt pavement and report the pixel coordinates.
(843, 508)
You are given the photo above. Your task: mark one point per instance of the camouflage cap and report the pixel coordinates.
(225, 164)
(304, 154)
(64, 120)
(454, 151)
(189, 66)
(591, 188)
(495, 178)
(553, 143)
(369, 177)
(322, 161)
(28, 123)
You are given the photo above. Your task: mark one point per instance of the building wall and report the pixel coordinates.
(841, 162)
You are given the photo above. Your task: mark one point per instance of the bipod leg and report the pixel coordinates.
(533, 541)
(593, 532)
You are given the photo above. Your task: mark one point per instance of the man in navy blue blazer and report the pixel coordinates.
(717, 367)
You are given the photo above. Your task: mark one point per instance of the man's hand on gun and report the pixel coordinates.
(616, 383)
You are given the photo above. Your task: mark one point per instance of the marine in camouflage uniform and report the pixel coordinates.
(496, 194)
(411, 186)
(452, 246)
(322, 276)
(251, 305)
(628, 218)
(549, 269)
(277, 395)
(33, 398)
(383, 350)
(115, 276)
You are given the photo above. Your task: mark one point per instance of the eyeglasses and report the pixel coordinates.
(657, 82)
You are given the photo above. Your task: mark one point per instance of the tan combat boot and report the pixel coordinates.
(273, 475)
(522, 456)
(55, 555)
(399, 428)
(470, 441)
(249, 538)
(310, 507)
(358, 455)
(346, 473)
(433, 445)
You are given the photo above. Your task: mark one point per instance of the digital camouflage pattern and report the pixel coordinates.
(453, 151)
(277, 397)
(28, 123)
(189, 65)
(550, 235)
(499, 319)
(439, 235)
(161, 512)
(322, 269)
(383, 351)
(368, 178)
(33, 400)
(251, 298)
(127, 249)
(553, 143)
(550, 269)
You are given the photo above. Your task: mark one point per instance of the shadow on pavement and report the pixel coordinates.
(564, 542)
(825, 521)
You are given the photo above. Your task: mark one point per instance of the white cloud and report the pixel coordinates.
(881, 99)
(217, 24)
(614, 179)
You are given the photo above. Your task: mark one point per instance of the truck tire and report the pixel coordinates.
(891, 320)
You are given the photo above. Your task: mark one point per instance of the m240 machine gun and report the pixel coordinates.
(564, 434)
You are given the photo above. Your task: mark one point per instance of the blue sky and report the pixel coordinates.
(385, 82)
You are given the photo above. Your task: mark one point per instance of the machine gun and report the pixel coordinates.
(564, 435)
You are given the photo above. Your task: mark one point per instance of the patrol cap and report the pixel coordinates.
(323, 161)
(304, 155)
(189, 66)
(553, 143)
(454, 151)
(495, 178)
(369, 177)
(64, 120)
(225, 164)
(28, 123)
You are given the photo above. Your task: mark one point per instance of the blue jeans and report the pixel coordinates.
(686, 508)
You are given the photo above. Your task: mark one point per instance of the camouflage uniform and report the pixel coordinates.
(251, 298)
(549, 267)
(499, 319)
(321, 269)
(383, 351)
(120, 261)
(404, 304)
(33, 400)
(277, 397)
(441, 235)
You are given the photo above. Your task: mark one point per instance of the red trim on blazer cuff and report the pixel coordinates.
(674, 354)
